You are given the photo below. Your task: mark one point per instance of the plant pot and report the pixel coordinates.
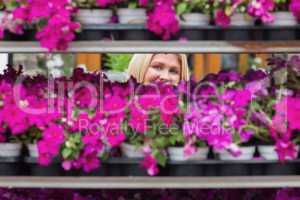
(135, 34)
(91, 35)
(185, 168)
(268, 152)
(115, 76)
(237, 31)
(246, 154)
(101, 171)
(33, 150)
(28, 35)
(11, 166)
(10, 149)
(132, 16)
(177, 154)
(277, 169)
(35, 169)
(197, 19)
(236, 169)
(130, 151)
(194, 19)
(284, 19)
(94, 16)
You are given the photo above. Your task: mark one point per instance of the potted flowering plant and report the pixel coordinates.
(46, 19)
(193, 12)
(132, 12)
(117, 65)
(282, 16)
(89, 13)
(166, 26)
(233, 13)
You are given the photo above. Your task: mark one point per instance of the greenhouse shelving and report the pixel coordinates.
(151, 182)
(160, 46)
(145, 47)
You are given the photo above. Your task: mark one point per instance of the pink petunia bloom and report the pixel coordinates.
(58, 32)
(221, 19)
(261, 9)
(143, 3)
(162, 20)
(150, 164)
(286, 149)
(294, 7)
(220, 141)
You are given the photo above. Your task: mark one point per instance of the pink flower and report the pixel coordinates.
(294, 7)
(58, 32)
(150, 164)
(189, 149)
(106, 3)
(222, 19)
(220, 141)
(286, 149)
(261, 9)
(143, 3)
(162, 20)
(246, 135)
(138, 120)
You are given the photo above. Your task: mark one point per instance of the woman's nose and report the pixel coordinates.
(164, 75)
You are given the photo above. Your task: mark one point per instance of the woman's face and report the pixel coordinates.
(165, 68)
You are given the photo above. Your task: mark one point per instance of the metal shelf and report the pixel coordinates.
(161, 46)
(151, 182)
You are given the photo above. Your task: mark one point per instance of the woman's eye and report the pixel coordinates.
(174, 72)
(157, 67)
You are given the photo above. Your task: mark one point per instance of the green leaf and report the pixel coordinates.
(181, 8)
(160, 158)
(161, 142)
(66, 153)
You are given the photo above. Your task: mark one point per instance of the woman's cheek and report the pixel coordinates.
(152, 75)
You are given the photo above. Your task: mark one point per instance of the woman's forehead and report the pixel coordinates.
(170, 59)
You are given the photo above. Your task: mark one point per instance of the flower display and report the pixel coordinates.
(82, 119)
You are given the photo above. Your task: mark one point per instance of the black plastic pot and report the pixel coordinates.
(236, 34)
(215, 34)
(193, 34)
(90, 35)
(35, 169)
(101, 171)
(185, 169)
(281, 34)
(133, 169)
(28, 35)
(10, 166)
(280, 169)
(235, 169)
(138, 34)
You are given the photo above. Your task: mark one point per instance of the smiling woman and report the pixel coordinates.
(150, 68)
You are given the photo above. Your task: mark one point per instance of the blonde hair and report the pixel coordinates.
(140, 62)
